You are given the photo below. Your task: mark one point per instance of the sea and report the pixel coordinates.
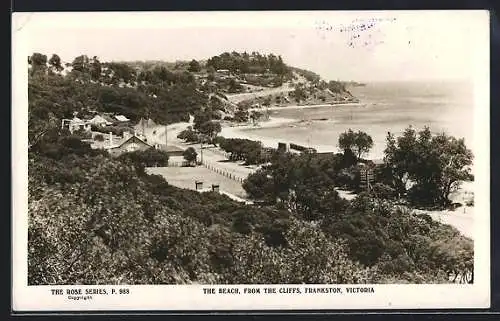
(384, 107)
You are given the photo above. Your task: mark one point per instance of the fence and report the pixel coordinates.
(223, 172)
(177, 163)
(220, 152)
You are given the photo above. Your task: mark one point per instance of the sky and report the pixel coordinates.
(354, 45)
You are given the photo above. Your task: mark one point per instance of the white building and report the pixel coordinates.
(98, 120)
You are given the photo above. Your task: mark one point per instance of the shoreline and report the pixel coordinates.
(249, 131)
(462, 218)
(342, 104)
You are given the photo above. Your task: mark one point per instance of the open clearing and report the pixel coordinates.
(185, 177)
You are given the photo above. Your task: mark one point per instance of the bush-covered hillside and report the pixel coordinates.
(97, 220)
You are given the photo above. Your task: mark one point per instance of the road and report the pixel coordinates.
(213, 157)
(462, 219)
(236, 98)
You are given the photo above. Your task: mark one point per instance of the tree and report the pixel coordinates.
(241, 115)
(38, 63)
(211, 129)
(81, 64)
(194, 66)
(267, 101)
(55, 63)
(147, 158)
(259, 186)
(234, 86)
(95, 68)
(359, 143)
(299, 93)
(190, 155)
(188, 135)
(436, 164)
(255, 116)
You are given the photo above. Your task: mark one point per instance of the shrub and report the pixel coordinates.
(384, 191)
(190, 155)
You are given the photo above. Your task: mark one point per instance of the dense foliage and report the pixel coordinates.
(250, 151)
(150, 157)
(389, 239)
(426, 167)
(92, 86)
(96, 220)
(205, 128)
(190, 155)
(358, 142)
(254, 63)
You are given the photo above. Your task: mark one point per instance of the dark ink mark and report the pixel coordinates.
(360, 32)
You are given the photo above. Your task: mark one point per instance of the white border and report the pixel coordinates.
(191, 297)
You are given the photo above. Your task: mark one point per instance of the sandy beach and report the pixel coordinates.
(306, 106)
(251, 132)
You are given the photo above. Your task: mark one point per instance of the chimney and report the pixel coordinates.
(199, 185)
(126, 135)
(110, 139)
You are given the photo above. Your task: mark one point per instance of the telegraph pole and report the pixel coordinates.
(201, 150)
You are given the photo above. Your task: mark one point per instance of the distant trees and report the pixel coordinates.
(243, 149)
(255, 116)
(81, 64)
(308, 75)
(189, 135)
(204, 130)
(336, 86)
(162, 95)
(55, 63)
(234, 86)
(38, 63)
(359, 142)
(194, 66)
(299, 93)
(211, 129)
(435, 164)
(249, 63)
(190, 155)
(206, 127)
(95, 68)
(241, 115)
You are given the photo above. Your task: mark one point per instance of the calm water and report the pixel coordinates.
(385, 107)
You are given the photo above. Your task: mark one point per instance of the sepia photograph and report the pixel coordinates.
(302, 154)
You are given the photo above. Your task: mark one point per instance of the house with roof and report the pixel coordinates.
(132, 144)
(121, 118)
(100, 121)
(172, 151)
(150, 132)
(76, 124)
(109, 118)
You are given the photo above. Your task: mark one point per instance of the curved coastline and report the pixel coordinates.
(250, 131)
